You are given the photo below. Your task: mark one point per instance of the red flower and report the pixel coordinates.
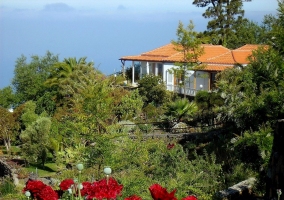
(105, 190)
(86, 188)
(170, 146)
(133, 197)
(34, 187)
(191, 197)
(66, 184)
(47, 193)
(40, 191)
(160, 193)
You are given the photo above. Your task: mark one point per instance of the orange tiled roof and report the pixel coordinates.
(215, 67)
(159, 54)
(249, 47)
(242, 54)
(216, 55)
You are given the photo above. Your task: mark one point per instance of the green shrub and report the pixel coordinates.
(146, 128)
(259, 143)
(17, 196)
(141, 162)
(7, 187)
(239, 172)
(22, 173)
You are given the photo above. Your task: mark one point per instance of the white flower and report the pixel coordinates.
(70, 191)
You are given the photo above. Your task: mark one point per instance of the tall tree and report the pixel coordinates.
(225, 15)
(36, 141)
(190, 46)
(275, 174)
(61, 71)
(7, 127)
(248, 32)
(29, 77)
(252, 96)
(28, 115)
(85, 99)
(278, 29)
(7, 97)
(66, 77)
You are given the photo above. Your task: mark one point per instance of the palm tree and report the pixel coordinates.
(62, 71)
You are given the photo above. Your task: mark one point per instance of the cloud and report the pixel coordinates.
(57, 7)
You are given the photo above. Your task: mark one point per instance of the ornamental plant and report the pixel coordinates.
(107, 188)
(160, 193)
(104, 189)
(40, 191)
(66, 184)
(99, 190)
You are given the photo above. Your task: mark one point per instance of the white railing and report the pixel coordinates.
(181, 90)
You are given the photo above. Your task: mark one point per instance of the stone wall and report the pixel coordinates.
(8, 171)
(238, 190)
(5, 169)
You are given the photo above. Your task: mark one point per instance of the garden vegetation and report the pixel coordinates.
(67, 112)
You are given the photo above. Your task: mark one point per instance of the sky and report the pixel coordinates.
(101, 30)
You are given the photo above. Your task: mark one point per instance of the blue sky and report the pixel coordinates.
(101, 30)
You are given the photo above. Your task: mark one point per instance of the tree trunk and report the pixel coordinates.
(7, 145)
(275, 174)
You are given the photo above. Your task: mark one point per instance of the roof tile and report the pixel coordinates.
(216, 56)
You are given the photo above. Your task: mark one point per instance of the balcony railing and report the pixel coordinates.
(181, 90)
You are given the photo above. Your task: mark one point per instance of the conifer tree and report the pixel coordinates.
(225, 15)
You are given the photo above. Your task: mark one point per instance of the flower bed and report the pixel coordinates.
(106, 188)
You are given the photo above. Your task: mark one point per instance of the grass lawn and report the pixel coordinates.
(49, 169)
(15, 150)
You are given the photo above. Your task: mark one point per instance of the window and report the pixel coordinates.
(152, 68)
(169, 77)
(160, 70)
(213, 81)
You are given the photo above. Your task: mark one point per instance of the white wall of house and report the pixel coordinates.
(196, 80)
(168, 77)
(148, 68)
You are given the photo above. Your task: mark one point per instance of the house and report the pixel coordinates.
(216, 58)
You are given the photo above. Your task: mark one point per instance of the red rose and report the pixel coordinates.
(66, 184)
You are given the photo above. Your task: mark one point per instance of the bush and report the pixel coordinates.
(239, 172)
(7, 186)
(22, 173)
(151, 161)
